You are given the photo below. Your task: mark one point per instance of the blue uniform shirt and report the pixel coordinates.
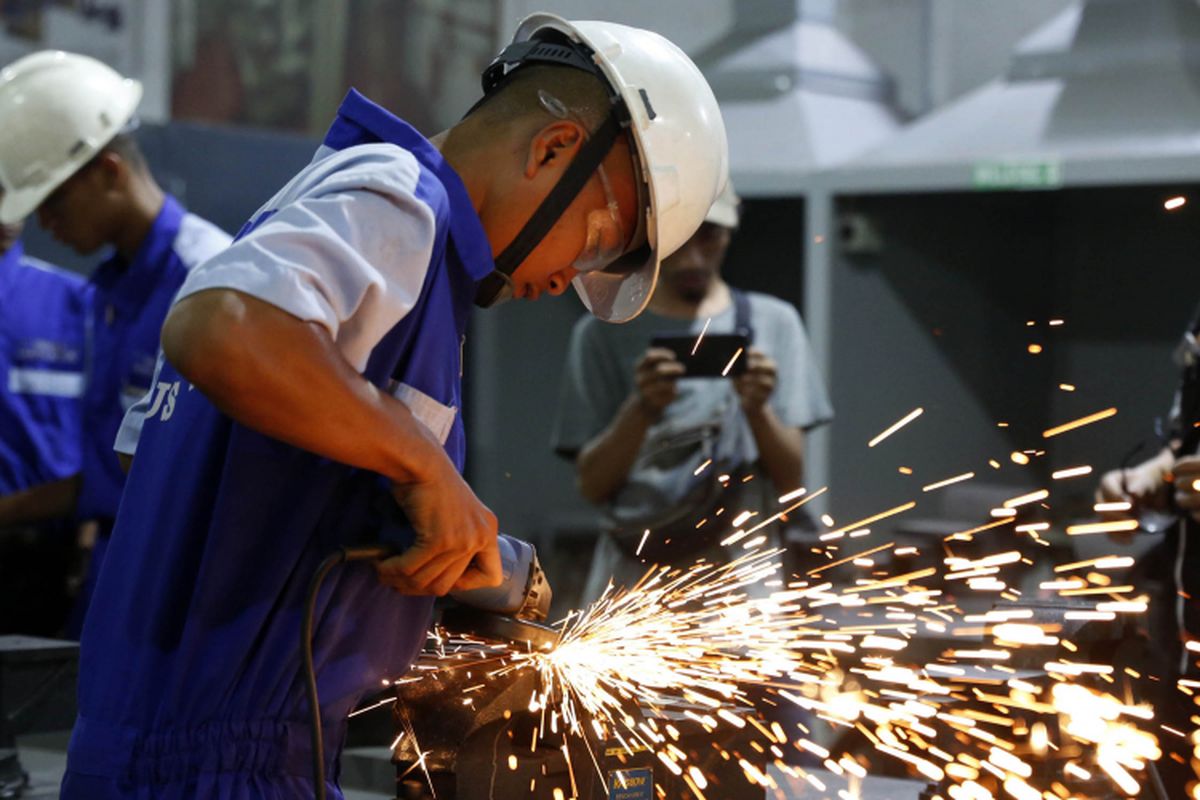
(42, 347)
(190, 677)
(129, 303)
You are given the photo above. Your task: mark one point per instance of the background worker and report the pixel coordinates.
(637, 431)
(42, 311)
(1164, 496)
(68, 153)
(311, 390)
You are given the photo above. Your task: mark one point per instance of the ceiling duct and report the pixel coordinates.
(796, 95)
(1106, 93)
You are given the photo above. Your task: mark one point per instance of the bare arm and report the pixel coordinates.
(604, 462)
(282, 376)
(45, 501)
(780, 447)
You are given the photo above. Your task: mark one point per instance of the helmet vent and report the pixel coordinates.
(646, 102)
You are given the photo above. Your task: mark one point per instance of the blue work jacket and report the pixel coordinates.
(42, 361)
(190, 677)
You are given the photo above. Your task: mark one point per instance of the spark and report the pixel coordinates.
(703, 331)
(1067, 387)
(966, 476)
(1079, 423)
(1174, 203)
(1025, 499)
(732, 361)
(895, 426)
(1115, 526)
(900, 509)
(1071, 472)
(792, 495)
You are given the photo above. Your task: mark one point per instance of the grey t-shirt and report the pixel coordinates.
(598, 377)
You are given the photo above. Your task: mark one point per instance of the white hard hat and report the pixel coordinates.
(57, 110)
(680, 145)
(727, 210)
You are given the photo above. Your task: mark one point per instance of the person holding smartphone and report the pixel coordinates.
(659, 447)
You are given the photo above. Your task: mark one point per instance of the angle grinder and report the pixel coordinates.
(510, 612)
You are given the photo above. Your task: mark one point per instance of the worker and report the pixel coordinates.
(661, 453)
(68, 153)
(42, 311)
(311, 390)
(1163, 495)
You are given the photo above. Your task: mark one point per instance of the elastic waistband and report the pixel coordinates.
(267, 747)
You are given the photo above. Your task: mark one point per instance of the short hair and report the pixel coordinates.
(126, 146)
(516, 103)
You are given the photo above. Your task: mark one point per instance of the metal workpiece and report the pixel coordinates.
(467, 727)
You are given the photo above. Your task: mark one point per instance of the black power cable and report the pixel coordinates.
(341, 556)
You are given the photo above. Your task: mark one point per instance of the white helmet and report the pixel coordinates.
(727, 210)
(57, 110)
(678, 134)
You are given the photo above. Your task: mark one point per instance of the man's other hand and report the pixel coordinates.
(655, 376)
(757, 383)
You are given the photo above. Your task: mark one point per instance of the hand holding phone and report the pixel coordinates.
(717, 355)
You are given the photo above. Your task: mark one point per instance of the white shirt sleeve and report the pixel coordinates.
(349, 250)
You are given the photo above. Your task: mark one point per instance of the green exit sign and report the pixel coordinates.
(992, 175)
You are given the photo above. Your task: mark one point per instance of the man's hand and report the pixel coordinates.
(455, 548)
(757, 383)
(1143, 486)
(1187, 494)
(655, 376)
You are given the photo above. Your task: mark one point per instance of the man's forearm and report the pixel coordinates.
(780, 448)
(286, 378)
(45, 501)
(604, 463)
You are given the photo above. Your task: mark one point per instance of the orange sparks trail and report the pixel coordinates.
(909, 417)
(1079, 423)
(718, 648)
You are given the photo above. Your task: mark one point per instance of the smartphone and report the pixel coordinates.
(719, 354)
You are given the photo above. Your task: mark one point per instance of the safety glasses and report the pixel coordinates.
(606, 240)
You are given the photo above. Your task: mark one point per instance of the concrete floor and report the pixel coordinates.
(45, 757)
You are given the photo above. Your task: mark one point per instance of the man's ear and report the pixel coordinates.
(553, 147)
(111, 168)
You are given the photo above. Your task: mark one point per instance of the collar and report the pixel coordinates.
(361, 121)
(126, 285)
(10, 260)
